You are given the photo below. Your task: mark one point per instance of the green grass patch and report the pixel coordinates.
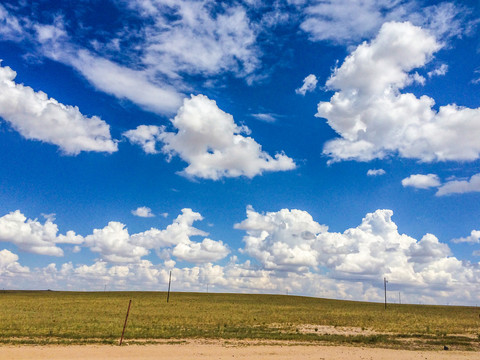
(97, 317)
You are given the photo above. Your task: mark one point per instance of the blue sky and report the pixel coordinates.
(313, 147)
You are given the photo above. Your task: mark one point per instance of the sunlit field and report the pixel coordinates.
(97, 317)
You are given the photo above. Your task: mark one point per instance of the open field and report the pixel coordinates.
(47, 317)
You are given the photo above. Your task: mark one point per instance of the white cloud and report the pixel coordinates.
(146, 136)
(124, 83)
(211, 143)
(440, 71)
(474, 238)
(281, 240)
(460, 186)
(290, 240)
(143, 211)
(178, 232)
(34, 237)
(309, 84)
(375, 120)
(116, 245)
(267, 117)
(206, 251)
(290, 252)
(37, 117)
(204, 38)
(420, 181)
(375, 172)
(9, 265)
(344, 21)
(10, 27)
(139, 86)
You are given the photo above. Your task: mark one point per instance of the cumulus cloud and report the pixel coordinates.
(34, 237)
(375, 172)
(288, 250)
(146, 136)
(143, 211)
(281, 240)
(290, 240)
(460, 186)
(116, 245)
(9, 265)
(309, 84)
(374, 119)
(37, 117)
(420, 181)
(473, 238)
(206, 251)
(211, 143)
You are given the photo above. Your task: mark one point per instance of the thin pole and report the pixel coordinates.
(125, 324)
(385, 286)
(169, 282)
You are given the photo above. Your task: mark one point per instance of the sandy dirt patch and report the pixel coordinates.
(212, 351)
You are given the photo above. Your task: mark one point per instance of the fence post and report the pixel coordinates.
(125, 324)
(169, 282)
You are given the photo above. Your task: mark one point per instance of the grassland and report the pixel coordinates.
(41, 317)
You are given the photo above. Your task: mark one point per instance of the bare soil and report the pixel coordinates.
(203, 349)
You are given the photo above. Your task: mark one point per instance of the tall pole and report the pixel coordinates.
(385, 286)
(169, 282)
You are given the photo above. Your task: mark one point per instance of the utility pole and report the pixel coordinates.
(385, 286)
(399, 298)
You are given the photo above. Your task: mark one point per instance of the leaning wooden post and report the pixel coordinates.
(169, 282)
(125, 324)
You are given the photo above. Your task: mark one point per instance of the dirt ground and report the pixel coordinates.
(213, 351)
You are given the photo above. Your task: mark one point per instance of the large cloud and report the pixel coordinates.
(374, 119)
(211, 143)
(32, 236)
(116, 245)
(37, 117)
(290, 252)
(290, 240)
(281, 240)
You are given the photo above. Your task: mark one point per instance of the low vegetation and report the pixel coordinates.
(41, 317)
